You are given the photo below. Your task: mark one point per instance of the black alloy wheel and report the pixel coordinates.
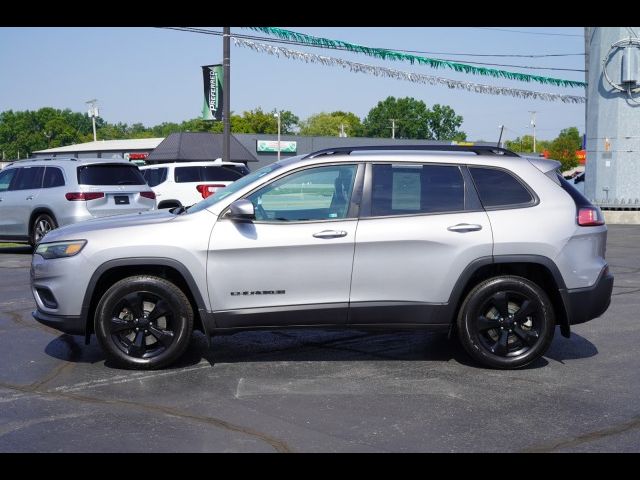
(506, 322)
(144, 322)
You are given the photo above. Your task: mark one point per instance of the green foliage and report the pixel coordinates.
(443, 123)
(413, 119)
(331, 124)
(524, 144)
(26, 131)
(564, 147)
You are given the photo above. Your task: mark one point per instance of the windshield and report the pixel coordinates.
(234, 187)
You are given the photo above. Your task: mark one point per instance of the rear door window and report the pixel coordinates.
(110, 174)
(53, 178)
(154, 176)
(405, 189)
(498, 188)
(28, 178)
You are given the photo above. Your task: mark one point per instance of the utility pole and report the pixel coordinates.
(226, 97)
(93, 113)
(393, 127)
(342, 132)
(533, 124)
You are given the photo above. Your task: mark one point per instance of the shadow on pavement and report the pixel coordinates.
(304, 345)
(19, 249)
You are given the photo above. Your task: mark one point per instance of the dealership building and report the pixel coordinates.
(255, 150)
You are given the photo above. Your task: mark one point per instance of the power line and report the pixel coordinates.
(531, 33)
(293, 42)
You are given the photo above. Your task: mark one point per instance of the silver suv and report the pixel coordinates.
(476, 241)
(41, 194)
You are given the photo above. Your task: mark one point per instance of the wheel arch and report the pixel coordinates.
(170, 203)
(539, 269)
(114, 270)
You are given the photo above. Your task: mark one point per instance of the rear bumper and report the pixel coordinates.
(73, 325)
(584, 304)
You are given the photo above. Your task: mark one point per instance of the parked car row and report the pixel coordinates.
(38, 195)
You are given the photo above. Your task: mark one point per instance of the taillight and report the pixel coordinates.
(590, 217)
(150, 195)
(83, 196)
(208, 189)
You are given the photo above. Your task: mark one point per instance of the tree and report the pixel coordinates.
(443, 123)
(331, 124)
(524, 144)
(413, 119)
(410, 116)
(564, 147)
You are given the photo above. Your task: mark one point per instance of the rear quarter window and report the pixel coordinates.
(499, 189)
(154, 176)
(110, 175)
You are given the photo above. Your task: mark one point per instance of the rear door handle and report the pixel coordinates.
(330, 234)
(30, 197)
(465, 227)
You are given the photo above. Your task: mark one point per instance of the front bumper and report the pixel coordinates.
(73, 325)
(584, 304)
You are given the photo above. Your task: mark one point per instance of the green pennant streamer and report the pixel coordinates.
(399, 56)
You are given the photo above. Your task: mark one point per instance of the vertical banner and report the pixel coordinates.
(212, 105)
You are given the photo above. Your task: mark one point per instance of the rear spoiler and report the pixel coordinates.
(544, 165)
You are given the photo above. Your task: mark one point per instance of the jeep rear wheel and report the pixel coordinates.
(506, 322)
(144, 322)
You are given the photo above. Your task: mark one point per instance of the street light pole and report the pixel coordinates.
(93, 113)
(277, 115)
(533, 124)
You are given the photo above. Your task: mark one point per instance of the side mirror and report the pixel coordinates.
(242, 210)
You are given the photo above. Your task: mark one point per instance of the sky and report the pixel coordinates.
(150, 75)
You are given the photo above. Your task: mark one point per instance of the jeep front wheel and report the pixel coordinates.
(144, 322)
(506, 322)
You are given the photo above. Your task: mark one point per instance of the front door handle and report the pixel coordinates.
(330, 234)
(465, 227)
(30, 197)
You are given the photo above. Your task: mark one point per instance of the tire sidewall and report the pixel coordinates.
(470, 311)
(175, 298)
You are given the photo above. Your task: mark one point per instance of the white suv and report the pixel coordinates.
(185, 183)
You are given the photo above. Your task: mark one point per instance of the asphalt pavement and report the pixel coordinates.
(323, 390)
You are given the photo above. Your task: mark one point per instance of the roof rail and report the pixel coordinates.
(477, 149)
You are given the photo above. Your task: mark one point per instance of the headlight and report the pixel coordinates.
(60, 249)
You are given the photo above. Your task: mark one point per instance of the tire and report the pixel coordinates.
(506, 322)
(144, 322)
(41, 225)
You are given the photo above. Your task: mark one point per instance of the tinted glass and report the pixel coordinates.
(498, 188)
(207, 174)
(5, 178)
(28, 178)
(154, 176)
(53, 178)
(411, 189)
(321, 193)
(110, 174)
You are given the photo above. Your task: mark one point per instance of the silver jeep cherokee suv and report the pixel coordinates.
(472, 240)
